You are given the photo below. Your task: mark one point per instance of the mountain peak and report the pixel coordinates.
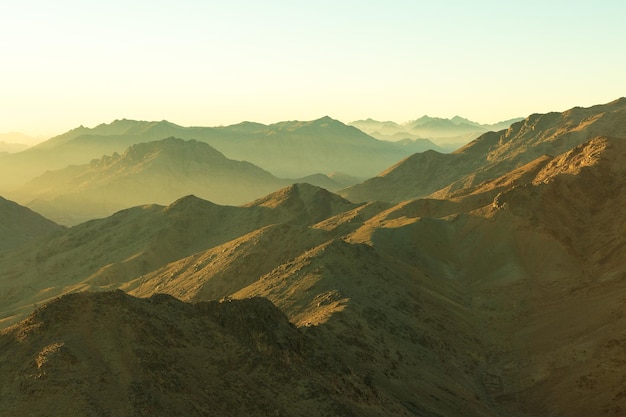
(302, 192)
(327, 120)
(307, 203)
(462, 120)
(174, 147)
(189, 203)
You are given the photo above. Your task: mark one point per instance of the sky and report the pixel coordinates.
(66, 63)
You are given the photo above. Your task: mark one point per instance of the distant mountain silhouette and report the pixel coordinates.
(12, 147)
(153, 172)
(16, 142)
(291, 149)
(448, 134)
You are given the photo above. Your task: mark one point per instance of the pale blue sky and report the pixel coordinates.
(66, 63)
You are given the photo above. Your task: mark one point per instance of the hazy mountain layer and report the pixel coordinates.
(492, 154)
(288, 149)
(16, 142)
(12, 147)
(448, 134)
(153, 172)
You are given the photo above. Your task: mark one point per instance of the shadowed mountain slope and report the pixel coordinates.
(19, 225)
(492, 154)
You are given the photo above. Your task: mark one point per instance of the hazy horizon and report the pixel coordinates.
(198, 64)
(18, 137)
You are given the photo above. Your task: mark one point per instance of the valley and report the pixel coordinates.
(485, 282)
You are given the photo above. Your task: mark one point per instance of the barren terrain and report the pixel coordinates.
(501, 291)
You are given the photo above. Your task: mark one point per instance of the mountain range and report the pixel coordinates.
(491, 155)
(448, 134)
(157, 172)
(15, 142)
(488, 282)
(291, 149)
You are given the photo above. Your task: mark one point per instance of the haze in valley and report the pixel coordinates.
(381, 209)
(497, 288)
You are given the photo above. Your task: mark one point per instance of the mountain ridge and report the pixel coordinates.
(221, 349)
(147, 173)
(499, 293)
(494, 153)
(292, 149)
(447, 134)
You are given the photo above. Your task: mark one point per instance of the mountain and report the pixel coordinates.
(505, 300)
(492, 297)
(19, 225)
(16, 141)
(95, 354)
(12, 147)
(492, 154)
(296, 149)
(421, 145)
(448, 134)
(153, 172)
(436, 127)
(291, 149)
(136, 241)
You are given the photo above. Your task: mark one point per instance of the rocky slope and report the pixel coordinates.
(493, 154)
(111, 354)
(490, 294)
(501, 297)
(105, 253)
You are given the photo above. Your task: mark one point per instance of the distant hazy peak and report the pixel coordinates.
(458, 120)
(172, 145)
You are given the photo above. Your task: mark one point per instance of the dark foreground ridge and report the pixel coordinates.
(101, 354)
